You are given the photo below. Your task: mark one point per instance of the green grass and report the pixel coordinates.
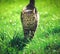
(47, 35)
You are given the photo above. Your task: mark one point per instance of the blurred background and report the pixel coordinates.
(47, 36)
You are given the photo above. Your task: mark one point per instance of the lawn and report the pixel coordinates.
(47, 36)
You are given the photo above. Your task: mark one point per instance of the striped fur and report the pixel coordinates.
(29, 19)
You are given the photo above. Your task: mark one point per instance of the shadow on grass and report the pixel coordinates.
(12, 46)
(18, 43)
(56, 30)
(52, 49)
(52, 31)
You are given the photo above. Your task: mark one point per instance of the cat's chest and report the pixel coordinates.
(29, 19)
